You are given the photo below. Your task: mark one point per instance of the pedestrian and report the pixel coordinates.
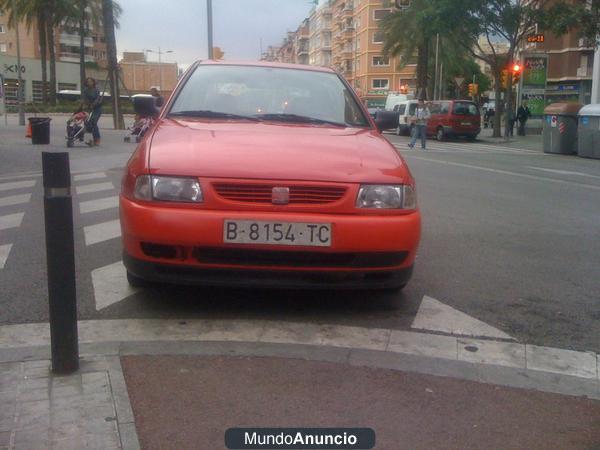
(510, 122)
(421, 117)
(159, 100)
(92, 101)
(523, 114)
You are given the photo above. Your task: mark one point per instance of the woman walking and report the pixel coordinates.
(93, 102)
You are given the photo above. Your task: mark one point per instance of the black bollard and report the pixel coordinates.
(60, 255)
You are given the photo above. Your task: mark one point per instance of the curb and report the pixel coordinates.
(498, 362)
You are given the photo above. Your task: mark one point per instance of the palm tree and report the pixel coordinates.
(32, 11)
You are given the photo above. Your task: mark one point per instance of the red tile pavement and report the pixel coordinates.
(188, 403)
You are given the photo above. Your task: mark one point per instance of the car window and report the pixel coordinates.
(445, 108)
(435, 108)
(401, 109)
(411, 109)
(465, 109)
(255, 91)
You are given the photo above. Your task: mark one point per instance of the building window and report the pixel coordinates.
(380, 61)
(2, 29)
(378, 37)
(381, 83)
(380, 14)
(2, 48)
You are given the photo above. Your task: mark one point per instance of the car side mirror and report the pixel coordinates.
(145, 105)
(386, 120)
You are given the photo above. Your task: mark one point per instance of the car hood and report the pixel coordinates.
(263, 150)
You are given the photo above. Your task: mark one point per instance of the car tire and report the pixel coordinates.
(135, 281)
(70, 143)
(440, 135)
(471, 137)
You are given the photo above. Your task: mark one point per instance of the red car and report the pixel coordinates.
(270, 175)
(453, 118)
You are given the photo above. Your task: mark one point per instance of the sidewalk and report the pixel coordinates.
(181, 384)
(528, 142)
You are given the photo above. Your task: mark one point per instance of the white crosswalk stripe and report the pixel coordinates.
(102, 232)
(110, 285)
(17, 185)
(99, 204)
(11, 221)
(95, 187)
(89, 176)
(453, 147)
(4, 252)
(15, 199)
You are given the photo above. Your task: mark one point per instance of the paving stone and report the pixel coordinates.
(4, 438)
(32, 438)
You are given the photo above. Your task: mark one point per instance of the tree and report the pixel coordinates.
(31, 11)
(410, 32)
(108, 19)
(508, 22)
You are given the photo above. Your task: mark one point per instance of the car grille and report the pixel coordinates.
(262, 193)
(250, 257)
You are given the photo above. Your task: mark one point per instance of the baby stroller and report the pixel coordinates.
(139, 128)
(76, 126)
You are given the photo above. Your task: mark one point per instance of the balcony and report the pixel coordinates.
(73, 40)
(74, 57)
(302, 51)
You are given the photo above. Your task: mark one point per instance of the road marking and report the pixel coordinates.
(89, 176)
(583, 365)
(96, 187)
(564, 172)
(17, 185)
(11, 221)
(102, 232)
(20, 175)
(110, 285)
(506, 172)
(4, 252)
(98, 205)
(15, 199)
(433, 315)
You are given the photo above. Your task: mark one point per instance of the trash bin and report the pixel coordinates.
(588, 142)
(40, 130)
(560, 128)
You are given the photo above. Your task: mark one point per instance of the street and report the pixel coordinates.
(510, 238)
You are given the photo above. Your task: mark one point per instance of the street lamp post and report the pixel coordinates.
(19, 77)
(209, 27)
(160, 77)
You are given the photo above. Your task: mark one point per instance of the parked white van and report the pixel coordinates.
(406, 116)
(395, 98)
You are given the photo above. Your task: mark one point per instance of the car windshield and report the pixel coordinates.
(465, 109)
(268, 93)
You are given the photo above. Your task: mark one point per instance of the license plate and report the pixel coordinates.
(466, 123)
(277, 233)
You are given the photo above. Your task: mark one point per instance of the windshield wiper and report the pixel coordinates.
(211, 114)
(299, 119)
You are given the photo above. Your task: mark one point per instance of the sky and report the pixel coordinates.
(180, 26)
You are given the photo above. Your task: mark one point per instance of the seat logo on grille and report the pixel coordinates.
(280, 195)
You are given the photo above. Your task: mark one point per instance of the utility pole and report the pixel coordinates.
(596, 77)
(20, 78)
(113, 68)
(209, 28)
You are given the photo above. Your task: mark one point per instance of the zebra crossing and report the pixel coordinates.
(462, 147)
(96, 196)
(13, 205)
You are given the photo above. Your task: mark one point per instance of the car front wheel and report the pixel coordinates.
(440, 135)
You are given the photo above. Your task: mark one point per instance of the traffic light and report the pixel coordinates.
(473, 89)
(403, 89)
(504, 79)
(517, 70)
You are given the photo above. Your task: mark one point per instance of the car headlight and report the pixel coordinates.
(387, 197)
(168, 189)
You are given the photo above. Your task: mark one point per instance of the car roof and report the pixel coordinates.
(276, 65)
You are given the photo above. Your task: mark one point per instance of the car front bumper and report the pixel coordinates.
(367, 250)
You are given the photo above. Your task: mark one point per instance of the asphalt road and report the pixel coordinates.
(510, 236)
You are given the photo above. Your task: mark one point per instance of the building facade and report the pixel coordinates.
(345, 35)
(139, 75)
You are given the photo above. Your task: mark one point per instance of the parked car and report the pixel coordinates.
(268, 175)
(406, 113)
(454, 118)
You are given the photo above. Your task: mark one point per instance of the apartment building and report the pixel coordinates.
(319, 51)
(66, 43)
(140, 75)
(345, 35)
